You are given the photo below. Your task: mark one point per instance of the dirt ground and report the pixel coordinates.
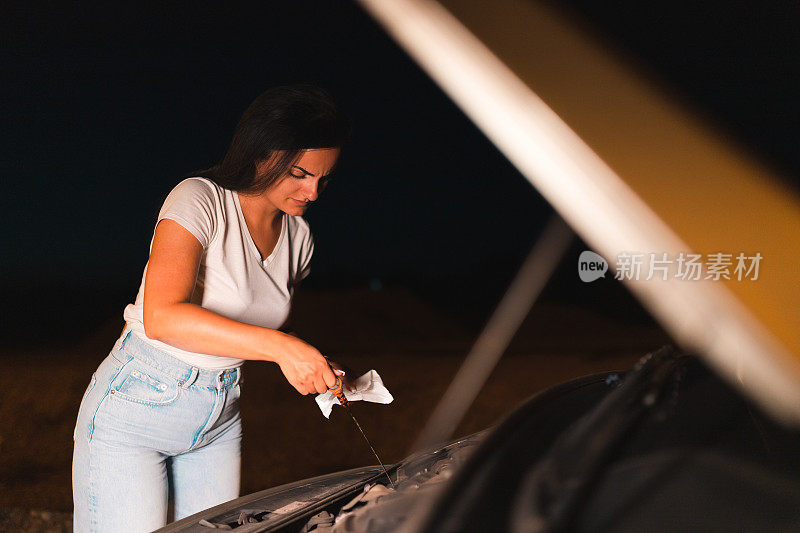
(415, 349)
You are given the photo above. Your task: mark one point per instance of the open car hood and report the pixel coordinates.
(630, 171)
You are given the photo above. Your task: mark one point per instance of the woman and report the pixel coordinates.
(162, 410)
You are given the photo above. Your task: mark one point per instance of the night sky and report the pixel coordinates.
(104, 109)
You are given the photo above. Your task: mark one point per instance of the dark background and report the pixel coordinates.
(104, 108)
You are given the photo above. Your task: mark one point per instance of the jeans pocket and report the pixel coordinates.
(146, 386)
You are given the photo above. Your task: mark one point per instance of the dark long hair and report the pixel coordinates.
(277, 127)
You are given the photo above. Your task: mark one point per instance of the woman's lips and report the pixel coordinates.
(300, 203)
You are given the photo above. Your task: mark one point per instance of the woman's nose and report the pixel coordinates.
(311, 190)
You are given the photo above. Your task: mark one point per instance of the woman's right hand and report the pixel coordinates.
(303, 366)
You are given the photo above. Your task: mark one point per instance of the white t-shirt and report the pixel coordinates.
(232, 279)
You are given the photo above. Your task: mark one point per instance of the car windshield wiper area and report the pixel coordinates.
(558, 484)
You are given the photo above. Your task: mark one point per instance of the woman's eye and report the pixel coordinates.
(298, 176)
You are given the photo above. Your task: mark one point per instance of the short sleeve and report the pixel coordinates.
(192, 205)
(306, 251)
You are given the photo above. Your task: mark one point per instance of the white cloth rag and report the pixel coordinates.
(369, 388)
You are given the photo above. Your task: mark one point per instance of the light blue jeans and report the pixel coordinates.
(150, 424)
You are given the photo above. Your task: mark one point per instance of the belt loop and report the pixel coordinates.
(191, 379)
(238, 376)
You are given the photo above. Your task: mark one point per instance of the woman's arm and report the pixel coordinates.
(170, 318)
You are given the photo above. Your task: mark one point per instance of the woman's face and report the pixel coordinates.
(304, 182)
